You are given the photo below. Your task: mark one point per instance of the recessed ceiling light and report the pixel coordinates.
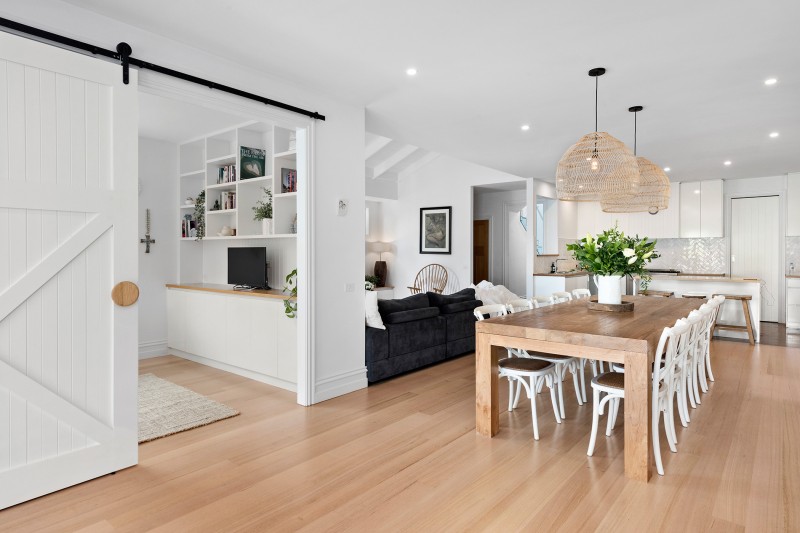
(697, 191)
(667, 169)
(774, 134)
(525, 127)
(727, 163)
(411, 71)
(770, 81)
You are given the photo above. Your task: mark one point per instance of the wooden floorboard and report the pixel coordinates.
(403, 455)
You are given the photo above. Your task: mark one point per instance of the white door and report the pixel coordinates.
(755, 248)
(68, 193)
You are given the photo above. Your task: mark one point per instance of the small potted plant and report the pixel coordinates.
(370, 282)
(610, 256)
(263, 211)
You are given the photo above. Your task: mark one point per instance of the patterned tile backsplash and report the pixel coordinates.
(793, 255)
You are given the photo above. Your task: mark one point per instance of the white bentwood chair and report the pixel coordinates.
(562, 296)
(580, 294)
(527, 372)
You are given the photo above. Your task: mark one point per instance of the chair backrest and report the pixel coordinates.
(562, 296)
(431, 278)
(542, 301)
(669, 357)
(687, 341)
(490, 311)
(579, 294)
(520, 304)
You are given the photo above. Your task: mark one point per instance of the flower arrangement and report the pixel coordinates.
(263, 210)
(612, 253)
(370, 282)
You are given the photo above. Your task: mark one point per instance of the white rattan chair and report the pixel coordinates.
(528, 373)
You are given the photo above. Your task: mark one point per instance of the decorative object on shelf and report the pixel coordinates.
(434, 230)
(289, 305)
(292, 140)
(226, 231)
(263, 211)
(147, 241)
(216, 206)
(611, 256)
(189, 200)
(293, 225)
(200, 216)
(288, 180)
(370, 282)
(380, 269)
(651, 194)
(597, 165)
(253, 161)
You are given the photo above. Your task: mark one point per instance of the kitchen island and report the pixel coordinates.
(731, 312)
(546, 283)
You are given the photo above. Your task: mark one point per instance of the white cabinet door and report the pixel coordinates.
(205, 325)
(711, 201)
(793, 206)
(251, 332)
(690, 209)
(68, 212)
(176, 320)
(287, 347)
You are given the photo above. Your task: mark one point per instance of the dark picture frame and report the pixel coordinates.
(435, 230)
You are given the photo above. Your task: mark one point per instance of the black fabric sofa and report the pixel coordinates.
(421, 329)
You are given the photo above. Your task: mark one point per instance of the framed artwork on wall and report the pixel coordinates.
(434, 230)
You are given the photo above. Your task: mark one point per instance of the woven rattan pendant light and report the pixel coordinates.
(651, 194)
(597, 166)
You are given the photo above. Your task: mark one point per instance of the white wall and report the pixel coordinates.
(339, 165)
(446, 181)
(382, 228)
(493, 206)
(158, 166)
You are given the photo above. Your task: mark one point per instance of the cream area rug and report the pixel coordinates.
(166, 408)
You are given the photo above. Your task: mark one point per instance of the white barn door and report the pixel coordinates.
(68, 193)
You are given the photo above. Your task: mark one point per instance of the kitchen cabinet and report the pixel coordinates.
(793, 303)
(701, 205)
(793, 200)
(592, 219)
(663, 225)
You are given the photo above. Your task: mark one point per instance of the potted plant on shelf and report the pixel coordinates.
(370, 282)
(290, 305)
(610, 256)
(200, 215)
(263, 211)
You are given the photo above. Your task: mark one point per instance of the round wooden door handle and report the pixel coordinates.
(125, 293)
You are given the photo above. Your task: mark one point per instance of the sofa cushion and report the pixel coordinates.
(438, 300)
(459, 307)
(373, 317)
(414, 314)
(416, 301)
(416, 335)
(377, 344)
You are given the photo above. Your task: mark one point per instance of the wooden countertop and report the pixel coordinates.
(710, 279)
(228, 289)
(576, 274)
(793, 276)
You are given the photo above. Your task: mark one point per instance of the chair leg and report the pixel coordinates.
(582, 366)
(510, 394)
(695, 383)
(669, 427)
(595, 420)
(553, 400)
(533, 412)
(610, 419)
(708, 361)
(560, 375)
(657, 441)
(683, 409)
(516, 397)
(575, 382)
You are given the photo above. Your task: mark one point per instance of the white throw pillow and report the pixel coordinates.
(374, 319)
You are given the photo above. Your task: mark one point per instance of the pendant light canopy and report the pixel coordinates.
(652, 191)
(597, 166)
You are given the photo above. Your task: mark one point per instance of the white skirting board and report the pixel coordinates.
(153, 349)
(340, 384)
(269, 380)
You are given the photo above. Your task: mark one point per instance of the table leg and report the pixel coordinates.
(638, 443)
(487, 412)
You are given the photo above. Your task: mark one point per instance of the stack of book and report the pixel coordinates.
(188, 227)
(226, 174)
(228, 200)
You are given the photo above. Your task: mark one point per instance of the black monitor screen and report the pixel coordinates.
(247, 266)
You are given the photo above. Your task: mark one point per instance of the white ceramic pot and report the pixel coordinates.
(609, 289)
(266, 226)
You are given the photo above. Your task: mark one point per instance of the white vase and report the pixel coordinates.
(609, 289)
(266, 226)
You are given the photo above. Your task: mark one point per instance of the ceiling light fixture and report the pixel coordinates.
(650, 194)
(774, 134)
(770, 81)
(525, 127)
(411, 71)
(597, 165)
(667, 169)
(727, 163)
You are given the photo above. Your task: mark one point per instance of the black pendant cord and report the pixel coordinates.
(634, 133)
(596, 90)
(123, 56)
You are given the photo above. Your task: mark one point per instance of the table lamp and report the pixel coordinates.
(380, 265)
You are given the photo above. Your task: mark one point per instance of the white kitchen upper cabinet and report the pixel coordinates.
(793, 206)
(592, 219)
(711, 202)
(690, 206)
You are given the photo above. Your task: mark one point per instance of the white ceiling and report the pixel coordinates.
(485, 68)
(177, 121)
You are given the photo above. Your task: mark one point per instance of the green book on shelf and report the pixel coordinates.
(253, 161)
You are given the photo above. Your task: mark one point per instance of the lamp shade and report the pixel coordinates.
(596, 166)
(381, 247)
(651, 194)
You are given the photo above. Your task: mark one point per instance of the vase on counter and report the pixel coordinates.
(609, 289)
(266, 226)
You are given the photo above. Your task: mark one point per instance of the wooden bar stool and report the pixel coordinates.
(698, 295)
(662, 294)
(748, 327)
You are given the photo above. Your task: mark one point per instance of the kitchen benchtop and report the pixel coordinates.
(228, 289)
(573, 274)
(793, 276)
(710, 279)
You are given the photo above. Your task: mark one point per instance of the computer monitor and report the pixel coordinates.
(247, 267)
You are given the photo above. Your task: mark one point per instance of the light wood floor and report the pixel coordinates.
(404, 455)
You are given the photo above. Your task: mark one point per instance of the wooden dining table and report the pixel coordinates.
(571, 328)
